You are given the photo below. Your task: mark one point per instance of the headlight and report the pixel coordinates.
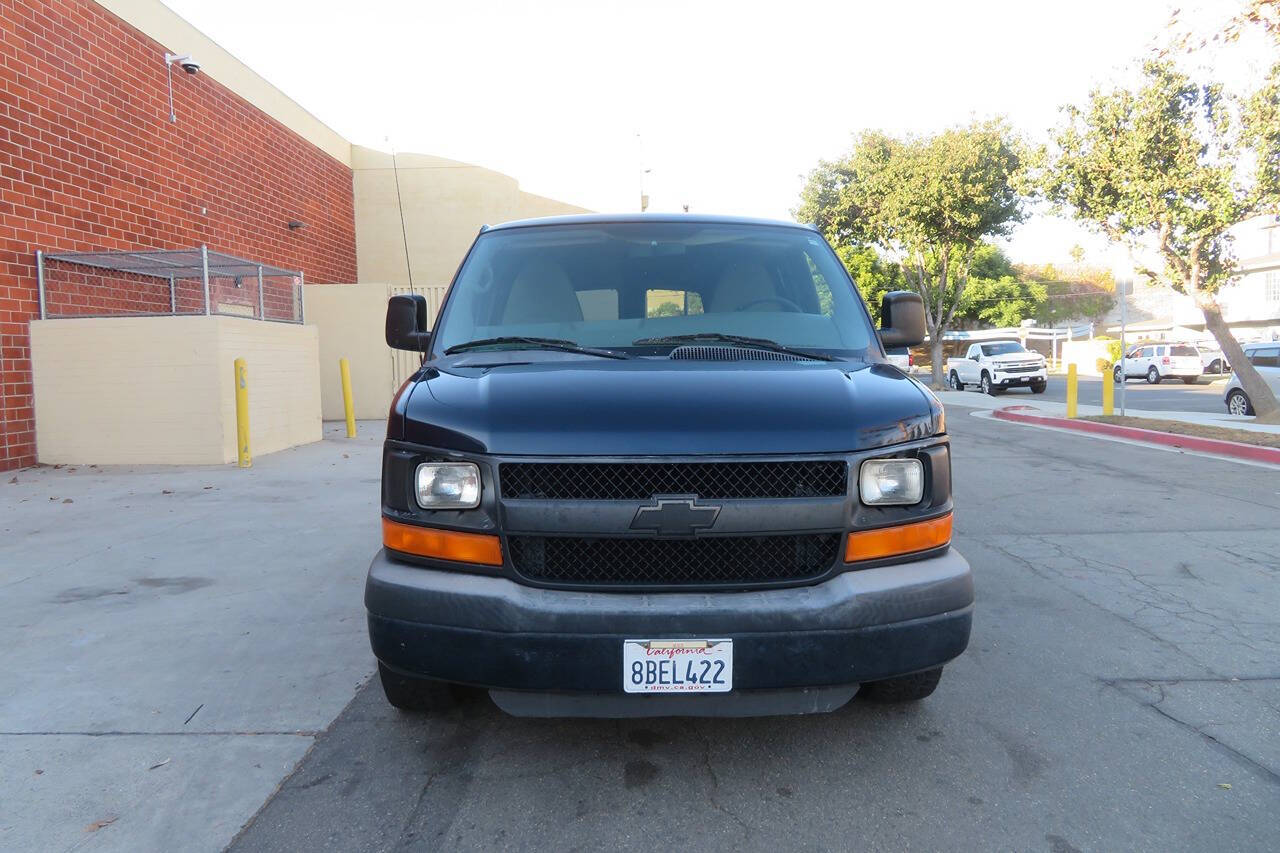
(891, 481)
(448, 485)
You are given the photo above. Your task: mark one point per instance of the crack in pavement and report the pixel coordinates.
(715, 783)
(1266, 772)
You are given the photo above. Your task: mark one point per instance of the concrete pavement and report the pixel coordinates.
(975, 400)
(1121, 692)
(174, 639)
(1171, 395)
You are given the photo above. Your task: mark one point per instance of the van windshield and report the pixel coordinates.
(609, 285)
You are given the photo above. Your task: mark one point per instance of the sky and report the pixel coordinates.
(728, 105)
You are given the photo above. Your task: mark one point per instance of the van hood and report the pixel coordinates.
(658, 407)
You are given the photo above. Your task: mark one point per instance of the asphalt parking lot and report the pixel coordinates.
(1169, 396)
(182, 661)
(1121, 691)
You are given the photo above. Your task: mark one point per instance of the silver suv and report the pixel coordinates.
(1266, 359)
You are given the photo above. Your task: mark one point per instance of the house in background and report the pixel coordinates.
(1250, 301)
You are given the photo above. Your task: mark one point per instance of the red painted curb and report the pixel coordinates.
(1234, 449)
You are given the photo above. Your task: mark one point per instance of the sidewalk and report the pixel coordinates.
(174, 638)
(975, 400)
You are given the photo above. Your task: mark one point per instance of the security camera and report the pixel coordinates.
(185, 61)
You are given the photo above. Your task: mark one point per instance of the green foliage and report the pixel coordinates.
(1077, 293)
(667, 309)
(927, 203)
(1171, 164)
(871, 273)
(1113, 354)
(996, 294)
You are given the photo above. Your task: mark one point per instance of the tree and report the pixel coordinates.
(1076, 292)
(873, 276)
(1263, 14)
(927, 203)
(1173, 166)
(997, 294)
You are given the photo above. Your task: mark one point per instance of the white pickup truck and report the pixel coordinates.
(995, 366)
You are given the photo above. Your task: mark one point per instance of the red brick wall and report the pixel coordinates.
(89, 161)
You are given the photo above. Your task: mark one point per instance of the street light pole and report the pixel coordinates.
(1124, 298)
(644, 199)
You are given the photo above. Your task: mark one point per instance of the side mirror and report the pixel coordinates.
(901, 319)
(407, 322)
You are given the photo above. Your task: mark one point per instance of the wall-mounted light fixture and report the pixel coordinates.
(188, 64)
(296, 225)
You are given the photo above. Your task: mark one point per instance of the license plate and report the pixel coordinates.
(677, 666)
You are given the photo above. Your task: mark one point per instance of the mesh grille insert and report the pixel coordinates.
(713, 560)
(643, 480)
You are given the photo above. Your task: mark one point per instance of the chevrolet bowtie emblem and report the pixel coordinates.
(675, 516)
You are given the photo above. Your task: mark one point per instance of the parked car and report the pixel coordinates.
(996, 366)
(1212, 359)
(1266, 359)
(736, 508)
(901, 358)
(1157, 362)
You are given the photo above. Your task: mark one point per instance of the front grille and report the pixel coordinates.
(675, 562)
(603, 481)
(1030, 369)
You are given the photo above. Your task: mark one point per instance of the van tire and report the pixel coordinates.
(906, 688)
(423, 695)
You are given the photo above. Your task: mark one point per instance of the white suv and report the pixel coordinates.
(1160, 361)
(1266, 359)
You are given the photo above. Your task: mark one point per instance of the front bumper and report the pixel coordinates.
(862, 625)
(1011, 380)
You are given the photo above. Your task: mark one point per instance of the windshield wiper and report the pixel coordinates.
(740, 340)
(535, 343)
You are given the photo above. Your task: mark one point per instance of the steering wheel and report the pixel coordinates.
(778, 300)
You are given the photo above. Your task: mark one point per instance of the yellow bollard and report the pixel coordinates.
(1071, 390)
(1108, 395)
(344, 368)
(242, 414)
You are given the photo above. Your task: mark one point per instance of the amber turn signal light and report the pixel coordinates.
(900, 539)
(442, 544)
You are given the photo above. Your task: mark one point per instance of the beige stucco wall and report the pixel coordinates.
(350, 319)
(445, 203)
(165, 26)
(283, 365)
(159, 390)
